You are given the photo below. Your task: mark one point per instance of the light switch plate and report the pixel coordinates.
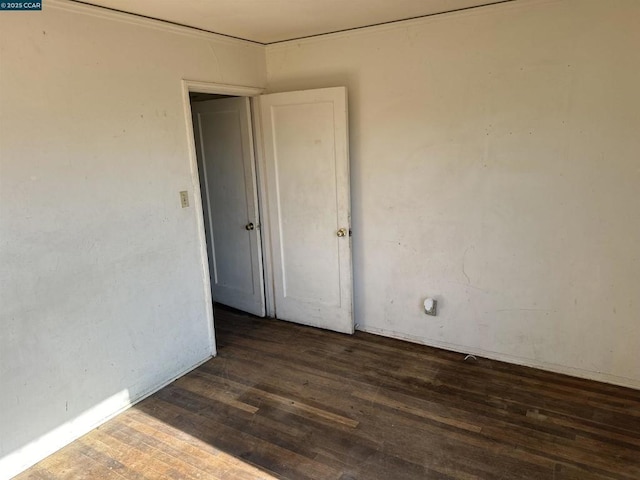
(184, 199)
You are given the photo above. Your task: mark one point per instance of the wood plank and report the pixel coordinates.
(287, 401)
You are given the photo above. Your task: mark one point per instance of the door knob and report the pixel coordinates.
(342, 232)
(249, 226)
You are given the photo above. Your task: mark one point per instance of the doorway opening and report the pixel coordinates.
(224, 141)
(272, 176)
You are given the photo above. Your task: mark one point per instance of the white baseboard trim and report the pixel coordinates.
(527, 362)
(30, 454)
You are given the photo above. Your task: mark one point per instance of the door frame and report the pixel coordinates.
(237, 91)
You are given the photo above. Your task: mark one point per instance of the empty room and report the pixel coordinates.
(320, 239)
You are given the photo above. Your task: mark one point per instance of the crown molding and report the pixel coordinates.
(82, 8)
(490, 6)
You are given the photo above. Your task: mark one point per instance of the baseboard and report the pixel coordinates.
(27, 456)
(527, 362)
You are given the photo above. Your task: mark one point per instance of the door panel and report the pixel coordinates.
(227, 175)
(307, 174)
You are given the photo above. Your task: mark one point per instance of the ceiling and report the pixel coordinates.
(269, 21)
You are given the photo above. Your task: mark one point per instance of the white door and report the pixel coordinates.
(224, 146)
(305, 145)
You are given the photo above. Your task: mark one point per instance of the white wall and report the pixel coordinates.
(101, 277)
(495, 164)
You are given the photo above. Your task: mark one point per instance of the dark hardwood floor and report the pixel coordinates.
(286, 401)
